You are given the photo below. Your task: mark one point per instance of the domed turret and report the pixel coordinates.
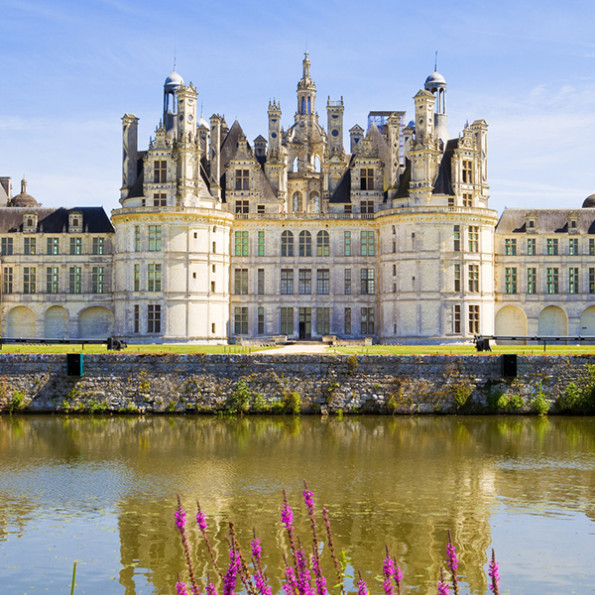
(173, 81)
(23, 199)
(170, 99)
(589, 202)
(435, 82)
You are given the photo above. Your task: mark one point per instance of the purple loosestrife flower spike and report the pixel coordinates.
(493, 572)
(304, 586)
(256, 549)
(211, 589)
(181, 588)
(453, 562)
(230, 579)
(398, 576)
(320, 579)
(362, 588)
(180, 515)
(388, 569)
(287, 514)
(201, 520)
(202, 525)
(443, 588)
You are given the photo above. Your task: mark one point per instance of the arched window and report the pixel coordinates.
(322, 243)
(317, 166)
(294, 165)
(305, 243)
(297, 202)
(286, 243)
(314, 203)
(303, 105)
(309, 106)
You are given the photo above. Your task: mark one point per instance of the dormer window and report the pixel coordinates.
(367, 178)
(75, 222)
(530, 223)
(573, 223)
(30, 222)
(467, 171)
(242, 179)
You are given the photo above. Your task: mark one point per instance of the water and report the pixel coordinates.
(102, 491)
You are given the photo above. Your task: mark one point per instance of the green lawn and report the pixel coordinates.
(463, 349)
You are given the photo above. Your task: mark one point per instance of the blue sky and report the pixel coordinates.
(72, 69)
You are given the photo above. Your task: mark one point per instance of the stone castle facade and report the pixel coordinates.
(294, 235)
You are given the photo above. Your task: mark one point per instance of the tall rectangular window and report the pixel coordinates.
(75, 279)
(367, 321)
(154, 277)
(305, 282)
(160, 172)
(137, 238)
(53, 246)
(260, 282)
(573, 246)
(29, 280)
(456, 319)
(367, 282)
(260, 330)
(136, 318)
(76, 246)
(531, 247)
(366, 207)
(552, 246)
(510, 247)
(474, 320)
(532, 280)
(367, 178)
(473, 238)
(591, 246)
(98, 245)
(467, 199)
(322, 281)
(260, 247)
(552, 280)
(347, 320)
(573, 280)
(456, 245)
(7, 246)
(137, 277)
(457, 278)
(286, 243)
(240, 281)
(7, 279)
(52, 280)
(153, 318)
(510, 280)
(241, 243)
(240, 320)
(323, 321)
(592, 280)
(286, 281)
(473, 278)
(287, 321)
(346, 243)
(347, 281)
(367, 243)
(30, 245)
(467, 171)
(98, 280)
(322, 243)
(242, 179)
(154, 238)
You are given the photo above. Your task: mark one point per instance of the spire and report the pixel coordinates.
(306, 65)
(306, 90)
(23, 185)
(436, 61)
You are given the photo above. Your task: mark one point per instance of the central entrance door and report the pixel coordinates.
(305, 324)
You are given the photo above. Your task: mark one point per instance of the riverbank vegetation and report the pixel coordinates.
(303, 573)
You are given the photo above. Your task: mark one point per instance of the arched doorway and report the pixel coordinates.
(20, 322)
(511, 321)
(553, 322)
(95, 322)
(588, 322)
(56, 323)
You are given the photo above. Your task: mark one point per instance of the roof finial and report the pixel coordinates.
(436, 61)
(174, 58)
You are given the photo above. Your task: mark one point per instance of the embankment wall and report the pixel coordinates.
(198, 383)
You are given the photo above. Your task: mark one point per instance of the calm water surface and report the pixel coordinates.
(102, 491)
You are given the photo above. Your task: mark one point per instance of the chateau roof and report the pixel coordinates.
(547, 221)
(443, 183)
(95, 219)
(342, 193)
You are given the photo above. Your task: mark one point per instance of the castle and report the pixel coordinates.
(293, 235)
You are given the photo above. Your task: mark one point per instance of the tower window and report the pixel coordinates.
(467, 171)
(242, 179)
(367, 178)
(160, 172)
(160, 199)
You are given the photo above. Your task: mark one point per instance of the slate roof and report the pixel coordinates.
(403, 190)
(95, 219)
(443, 183)
(342, 193)
(547, 221)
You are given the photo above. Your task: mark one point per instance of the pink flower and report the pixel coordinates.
(180, 518)
(181, 588)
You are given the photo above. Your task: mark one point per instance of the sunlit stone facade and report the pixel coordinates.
(295, 235)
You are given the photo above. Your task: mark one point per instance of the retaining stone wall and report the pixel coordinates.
(316, 383)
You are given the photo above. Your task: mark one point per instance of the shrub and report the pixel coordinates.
(17, 403)
(462, 392)
(239, 400)
(579, 398)
(352, 364)
(292, 402)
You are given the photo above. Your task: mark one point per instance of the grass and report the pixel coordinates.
(462, 350)
(78, 348)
